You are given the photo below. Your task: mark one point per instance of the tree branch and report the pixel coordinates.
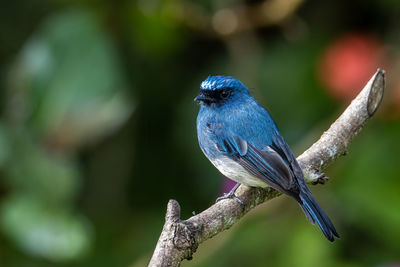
(180, 238)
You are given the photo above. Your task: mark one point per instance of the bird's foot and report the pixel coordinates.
(321, 179)
(231, 195)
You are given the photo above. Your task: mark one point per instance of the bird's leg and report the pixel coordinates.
(231, 194)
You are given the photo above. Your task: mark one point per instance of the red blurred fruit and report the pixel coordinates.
(348, 63)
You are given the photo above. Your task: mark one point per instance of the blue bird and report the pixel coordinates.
(242, 141)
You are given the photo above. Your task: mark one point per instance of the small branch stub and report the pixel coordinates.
(334, 142)
(180, 239)
(376, 92)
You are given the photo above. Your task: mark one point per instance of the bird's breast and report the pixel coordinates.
(209, 127)
(236, 172)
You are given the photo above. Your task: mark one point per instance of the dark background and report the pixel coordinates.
(97, 127)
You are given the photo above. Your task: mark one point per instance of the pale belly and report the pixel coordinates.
(234, 171)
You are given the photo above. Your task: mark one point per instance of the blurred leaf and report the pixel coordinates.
(52, 178)
(43, 231)
(68, 81)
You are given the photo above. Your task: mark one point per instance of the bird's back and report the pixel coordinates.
(247, 120)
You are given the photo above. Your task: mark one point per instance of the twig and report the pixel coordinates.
(180, 238)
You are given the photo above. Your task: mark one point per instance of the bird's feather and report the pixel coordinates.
(266, 164)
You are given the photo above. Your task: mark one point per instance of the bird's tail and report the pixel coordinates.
(316, 215)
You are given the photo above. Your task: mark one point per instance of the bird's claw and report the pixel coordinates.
(231, 195)
(321, 179)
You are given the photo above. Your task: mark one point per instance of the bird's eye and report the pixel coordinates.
(225, 94)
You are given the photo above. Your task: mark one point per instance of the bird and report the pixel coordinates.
(240, 138)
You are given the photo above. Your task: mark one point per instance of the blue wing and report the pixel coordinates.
(273, 163)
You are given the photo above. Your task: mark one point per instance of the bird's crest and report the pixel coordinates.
(219, 82)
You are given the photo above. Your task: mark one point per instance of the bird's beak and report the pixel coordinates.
(197, 98)
(203, 98)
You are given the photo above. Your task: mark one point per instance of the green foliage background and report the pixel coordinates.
(97, 131)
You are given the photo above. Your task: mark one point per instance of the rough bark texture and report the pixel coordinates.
(180, 238)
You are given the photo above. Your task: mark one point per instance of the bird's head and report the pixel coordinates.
(219, 90)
